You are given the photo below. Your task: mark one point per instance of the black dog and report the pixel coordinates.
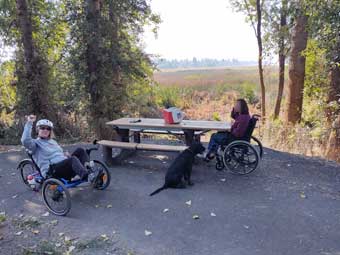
(181, 168)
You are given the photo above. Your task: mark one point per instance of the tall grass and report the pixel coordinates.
(210, 94)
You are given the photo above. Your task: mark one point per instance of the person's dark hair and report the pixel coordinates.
(244, 106)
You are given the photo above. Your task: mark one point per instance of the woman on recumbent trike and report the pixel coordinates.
(55, 168)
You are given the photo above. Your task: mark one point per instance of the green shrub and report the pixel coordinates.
(216, 116)
(2, 218)
(247, 91)
(167, 96)
(221, 89)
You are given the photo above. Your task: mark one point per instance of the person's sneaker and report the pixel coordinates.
(206, 160)
(209, 156)
(89, 165)
(77, 178)
(202, 155)
(93, 177)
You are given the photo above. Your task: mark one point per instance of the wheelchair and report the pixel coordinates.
(241, 156)
(55, 191)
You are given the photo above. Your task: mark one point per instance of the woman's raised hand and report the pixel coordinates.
(31, 118)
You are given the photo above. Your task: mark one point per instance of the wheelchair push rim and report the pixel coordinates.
(240, 157)
(56, 197)
(104, 179)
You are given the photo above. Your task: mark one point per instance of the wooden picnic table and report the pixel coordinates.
(147, 123)
(191, 129)
(188, 127)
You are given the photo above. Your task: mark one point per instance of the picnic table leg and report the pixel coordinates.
(197, 138)
(107, 155)
(111, 158)
(189, 136)
(123, 135)
(136, 137)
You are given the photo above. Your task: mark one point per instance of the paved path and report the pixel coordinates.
(290, 205)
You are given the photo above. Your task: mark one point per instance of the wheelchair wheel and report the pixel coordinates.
(26, 168)
(258, 144)
(104, 179)
(56, 197)
(240, 157)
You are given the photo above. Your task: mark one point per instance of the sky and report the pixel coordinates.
(201, 29)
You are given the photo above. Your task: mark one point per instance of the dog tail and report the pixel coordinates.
(158, 190)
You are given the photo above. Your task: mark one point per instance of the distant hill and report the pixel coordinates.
(205, 62)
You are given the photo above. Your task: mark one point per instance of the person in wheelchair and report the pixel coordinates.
(50, 157)
(240, 113)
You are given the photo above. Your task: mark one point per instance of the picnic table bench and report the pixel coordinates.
(133, 127)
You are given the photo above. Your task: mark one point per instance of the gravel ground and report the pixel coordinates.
(289, 205)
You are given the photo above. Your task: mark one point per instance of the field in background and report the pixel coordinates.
(204, 93)
(209, 94)
(208, 79)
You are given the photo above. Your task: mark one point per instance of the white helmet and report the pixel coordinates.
(45, 122)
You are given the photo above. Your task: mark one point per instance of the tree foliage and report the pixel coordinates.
(87, 64)
(253, 9)
(107, 54)
(325, 26)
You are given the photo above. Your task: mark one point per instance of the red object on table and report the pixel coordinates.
(172, 115)
(167, 116)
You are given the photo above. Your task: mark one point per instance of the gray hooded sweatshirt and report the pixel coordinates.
(44, 151)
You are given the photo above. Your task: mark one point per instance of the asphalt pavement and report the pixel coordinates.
(289, 205)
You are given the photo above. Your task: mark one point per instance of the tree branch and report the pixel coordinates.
(250, 16)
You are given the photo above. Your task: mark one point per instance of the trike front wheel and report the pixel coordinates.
(104, 178)
(56, 197)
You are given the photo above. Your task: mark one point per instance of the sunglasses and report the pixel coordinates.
(45, 128)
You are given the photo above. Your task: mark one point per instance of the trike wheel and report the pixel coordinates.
(240, 157)
(104, 178)
(27, 168)
(56, 196)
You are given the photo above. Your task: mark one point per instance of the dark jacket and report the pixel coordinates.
(239, 128)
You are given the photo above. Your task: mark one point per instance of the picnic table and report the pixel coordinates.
(133, 127)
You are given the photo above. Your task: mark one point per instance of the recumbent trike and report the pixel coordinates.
(55, 191)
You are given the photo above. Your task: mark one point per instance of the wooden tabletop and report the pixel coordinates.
(159, 124)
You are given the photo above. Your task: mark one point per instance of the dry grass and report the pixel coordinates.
(294, 139)
(211, 93)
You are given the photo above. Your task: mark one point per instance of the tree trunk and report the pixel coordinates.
(259, 43)
(25, 28)
(33, 89)
(282, 58)
(333, 146)
(333, 93)
(296, 71)
(96, 82)
(93, 51)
